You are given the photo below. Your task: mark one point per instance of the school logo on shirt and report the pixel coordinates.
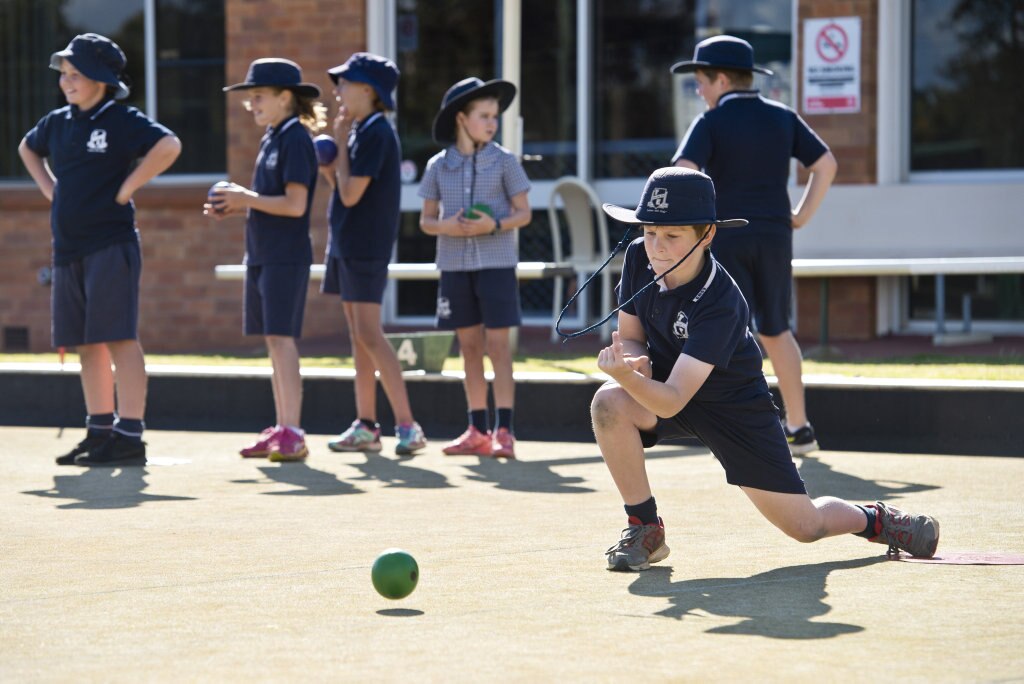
(97, 141)
(679, 328)
(659, 199)
(444, 307)
(272, 160)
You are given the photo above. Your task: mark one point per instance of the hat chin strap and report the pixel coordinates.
(569, 336)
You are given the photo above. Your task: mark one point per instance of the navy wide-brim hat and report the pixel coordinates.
(674, 196)
(380, 73)
(721, 52)
(274, 72)
(461, 94)
(98, 58)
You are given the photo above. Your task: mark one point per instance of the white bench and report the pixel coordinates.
(526, 270)
(938, 267)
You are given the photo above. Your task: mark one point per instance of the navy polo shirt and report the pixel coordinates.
(286, 156)
(705, 318)
(368, 229)
(745, 144)
(90, 154)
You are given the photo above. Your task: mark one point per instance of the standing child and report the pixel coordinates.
(83, 158)
(684, 364)
(364, 216)
(474, 199)
(278, 251)
(744, 142)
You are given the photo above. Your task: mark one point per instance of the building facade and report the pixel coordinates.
(931, 159)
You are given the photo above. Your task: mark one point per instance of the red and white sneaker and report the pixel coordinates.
(290, 445)
(504, 444)
(472, 442)
(261, 447)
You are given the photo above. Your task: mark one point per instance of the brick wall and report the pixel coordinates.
(183, 308)
(852, 138)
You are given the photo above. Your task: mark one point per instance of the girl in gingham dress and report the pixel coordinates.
(474, 199)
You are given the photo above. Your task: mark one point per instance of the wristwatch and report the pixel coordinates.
(497, 227)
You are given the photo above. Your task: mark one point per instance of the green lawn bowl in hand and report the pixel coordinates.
(395, 574)
(477, 209)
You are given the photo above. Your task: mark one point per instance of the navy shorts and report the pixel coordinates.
(746, 438)
(96, 298)
(468, 298)
(356, 280)
(275, 299)
(761, 263)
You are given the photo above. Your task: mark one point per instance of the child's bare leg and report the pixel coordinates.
(617, 419)
(130, 374)
(471, 344)
(808, 520)
(787, 361)
(365, 383)
(500, 352)
(365, 327)
(287, 381)
(97, 379)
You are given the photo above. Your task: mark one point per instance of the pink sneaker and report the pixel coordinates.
(504, 444)
(472, 442)
(261, 447)
(288, 446)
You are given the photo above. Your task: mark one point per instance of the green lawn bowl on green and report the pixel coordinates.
(424, 351)
(477, 209)
(395, 574)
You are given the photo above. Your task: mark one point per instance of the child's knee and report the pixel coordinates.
(804, 531)
(606, 407)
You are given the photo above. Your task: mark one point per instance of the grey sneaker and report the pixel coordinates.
(639, 546)
(918, 535)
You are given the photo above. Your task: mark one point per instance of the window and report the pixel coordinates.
(641, 109)
(966, 94)
(189, 65)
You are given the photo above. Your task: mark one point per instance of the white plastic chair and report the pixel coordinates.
(589, 248)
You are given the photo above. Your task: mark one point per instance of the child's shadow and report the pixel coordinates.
(310, 481)
(399, 473)
(526, 476)
(779, 604)
(100, 488)
(821, 476)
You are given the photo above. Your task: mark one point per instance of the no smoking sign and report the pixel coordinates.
(831, 73)
(832, 43)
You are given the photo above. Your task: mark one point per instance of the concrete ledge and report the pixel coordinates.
(849, 414)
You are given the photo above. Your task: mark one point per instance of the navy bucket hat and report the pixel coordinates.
(98, 58)
(380, 73)
(721, 52)
(461, 94)
(274, 72)
(674, 196)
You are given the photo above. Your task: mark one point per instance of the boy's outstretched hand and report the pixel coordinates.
(619, 364)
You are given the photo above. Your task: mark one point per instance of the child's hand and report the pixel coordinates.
(452, 225)
(227, 200)
(124, 196)
(615, 362)
(483, 224)
(341, 125)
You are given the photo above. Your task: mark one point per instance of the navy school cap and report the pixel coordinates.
(274, 72)
(380, 73)
(98, 58)
(674, 196)
(721, 52)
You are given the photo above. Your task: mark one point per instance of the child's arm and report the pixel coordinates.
(350, 188)
(235, 199)
(37, 168)
(432, 224)
(823, 172)
(485, 224)
(664, 399)
(157, 160)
